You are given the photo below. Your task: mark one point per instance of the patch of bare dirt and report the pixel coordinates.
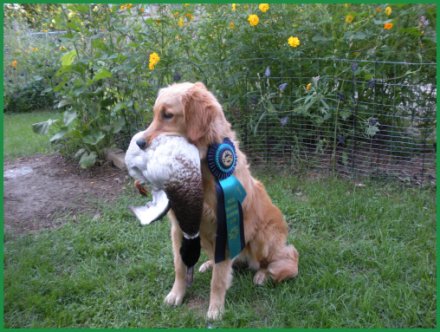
(39, 190)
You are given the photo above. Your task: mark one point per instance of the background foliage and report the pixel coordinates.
(99, 72)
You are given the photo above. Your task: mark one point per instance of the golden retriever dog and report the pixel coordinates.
(190, 110)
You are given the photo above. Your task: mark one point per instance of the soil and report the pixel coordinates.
(39, 191)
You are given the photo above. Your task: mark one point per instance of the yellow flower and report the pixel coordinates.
(154, 60)
(293, 41)
(181, 22)
(189, 16)
(253, 20)
(234, 7)
(34, 49)
(186, 5)
(378, 9)
(264, 7)
(62, 48)
(126, 6)
(388, 11)
(175, 14)
(14, 64)
(231, 25)
(141, 10)
(45, 30)
(308, 86)
(388, 26)
(349, 18)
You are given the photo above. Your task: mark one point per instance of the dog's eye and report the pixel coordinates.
(167, 115)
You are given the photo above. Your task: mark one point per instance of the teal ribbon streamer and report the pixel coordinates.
(234, 194)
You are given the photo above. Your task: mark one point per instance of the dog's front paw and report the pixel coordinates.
(206, 266)
(214, 312)
(174, 298)
(260, 277)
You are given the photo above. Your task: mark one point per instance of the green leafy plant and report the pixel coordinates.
(117, 57)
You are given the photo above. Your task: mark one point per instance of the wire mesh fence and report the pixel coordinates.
(350, 117)
(32, 41)
(371, 118)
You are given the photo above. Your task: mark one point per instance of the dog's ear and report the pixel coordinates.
(201, 112)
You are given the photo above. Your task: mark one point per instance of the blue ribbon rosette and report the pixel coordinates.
(222, 160)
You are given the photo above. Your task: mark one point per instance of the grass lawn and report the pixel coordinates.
(367, 259)
(18, 138)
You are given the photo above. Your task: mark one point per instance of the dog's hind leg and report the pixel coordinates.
(285, 264)
(175, 296)
(221, 280)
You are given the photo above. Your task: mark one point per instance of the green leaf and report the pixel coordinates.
(118, 107)
(59, 135)
(103, 73)
(64, 70)
(88, 159)
(345, 114)
(379, 22)
(81, 8)
(42, 128)
(68, 58)
(79, 153)
(47, 90)
(372, 131)
(63, 103)
(98, 43)
(270, 107)
(94, 139)
(359, 35)
(320, 38)
(69, 116)
(263, 114)
(118, 126)
(325, 107)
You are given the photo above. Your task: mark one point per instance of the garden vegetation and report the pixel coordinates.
(275, 62)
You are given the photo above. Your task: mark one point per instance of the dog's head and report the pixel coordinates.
(191, 111)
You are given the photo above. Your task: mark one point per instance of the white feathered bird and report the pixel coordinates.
(170, 166)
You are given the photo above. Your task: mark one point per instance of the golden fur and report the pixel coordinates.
(192, 111)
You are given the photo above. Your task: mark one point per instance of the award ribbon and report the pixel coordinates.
(222, 160)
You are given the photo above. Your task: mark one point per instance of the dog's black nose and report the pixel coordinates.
(141, 143)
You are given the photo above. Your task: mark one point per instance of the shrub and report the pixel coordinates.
(329, 59)
(30, 62)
